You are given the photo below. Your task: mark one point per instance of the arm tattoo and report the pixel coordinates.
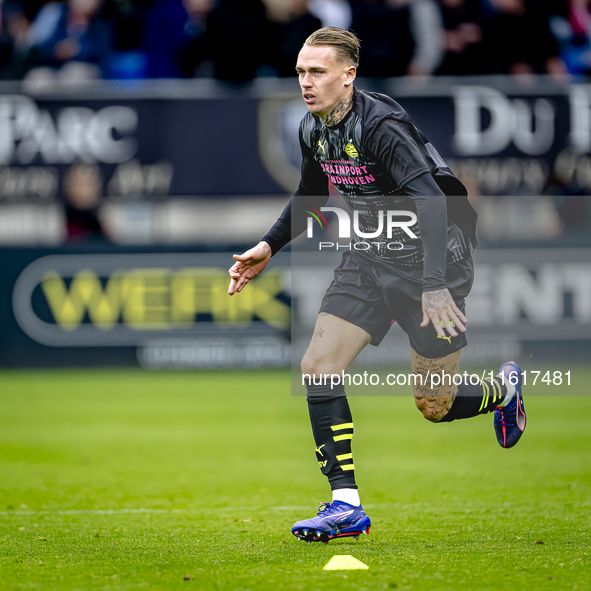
(437, 299)
(339, 112)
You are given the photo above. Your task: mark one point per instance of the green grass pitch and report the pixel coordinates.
(127, 480)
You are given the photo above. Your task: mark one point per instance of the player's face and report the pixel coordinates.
(324, 81)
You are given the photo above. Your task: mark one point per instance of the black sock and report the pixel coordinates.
(476, 399)
(332, 426)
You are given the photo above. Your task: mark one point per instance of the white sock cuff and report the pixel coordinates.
(347, 495)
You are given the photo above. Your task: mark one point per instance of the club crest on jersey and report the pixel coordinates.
(351, 150)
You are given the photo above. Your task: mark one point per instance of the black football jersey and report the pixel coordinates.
(369, 157)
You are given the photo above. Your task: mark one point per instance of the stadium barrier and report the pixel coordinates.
(159, 308)
(168, 308)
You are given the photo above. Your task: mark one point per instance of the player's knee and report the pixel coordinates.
(307, 366)
(312, 366)
(428, 413)
(316, 365)
(432, 406)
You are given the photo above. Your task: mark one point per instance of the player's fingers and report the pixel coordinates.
(243, 258)
(237, 283)
(455, 319)
(450, 329)
(436, 320)
(459, 313)
(241, 284)
(235, 268)
(426, 319)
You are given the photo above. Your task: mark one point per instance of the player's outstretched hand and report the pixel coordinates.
(439, 308)
(247, 266)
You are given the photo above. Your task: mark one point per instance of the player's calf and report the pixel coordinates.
(434, 388)
(332, 426)
(434, 404)
(443, 398)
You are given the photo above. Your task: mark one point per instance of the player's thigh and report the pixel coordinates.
(403, 295)
(334, 345)
(424, 339)
(355, 296)
(433, 389)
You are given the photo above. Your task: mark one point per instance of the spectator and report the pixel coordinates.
(66, 32)
(127, 17)
(293, 34)
(399, 36)
(332, 13)
(570, 22)
(236, 40)
(164, 38)
(194, 62)
(83, 192)
(32, 7)
(518, 41)
(197, 13)
(14, 25)
(128, 59)
(463, 38)
(19, 31)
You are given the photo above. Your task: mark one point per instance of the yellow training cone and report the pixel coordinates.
(345, 562)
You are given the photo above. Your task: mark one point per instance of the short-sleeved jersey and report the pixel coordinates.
(369, 157)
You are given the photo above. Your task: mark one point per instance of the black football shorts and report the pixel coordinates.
(373, 295)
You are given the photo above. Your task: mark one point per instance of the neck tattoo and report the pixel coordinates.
(339, 112)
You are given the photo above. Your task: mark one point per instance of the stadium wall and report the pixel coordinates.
(168, 308)
(202, 138)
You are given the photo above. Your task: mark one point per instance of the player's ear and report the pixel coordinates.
(351, 74)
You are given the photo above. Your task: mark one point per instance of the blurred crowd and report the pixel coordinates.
(237, 40)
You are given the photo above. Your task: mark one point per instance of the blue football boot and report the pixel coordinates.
(510, 420)
(334, 520)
